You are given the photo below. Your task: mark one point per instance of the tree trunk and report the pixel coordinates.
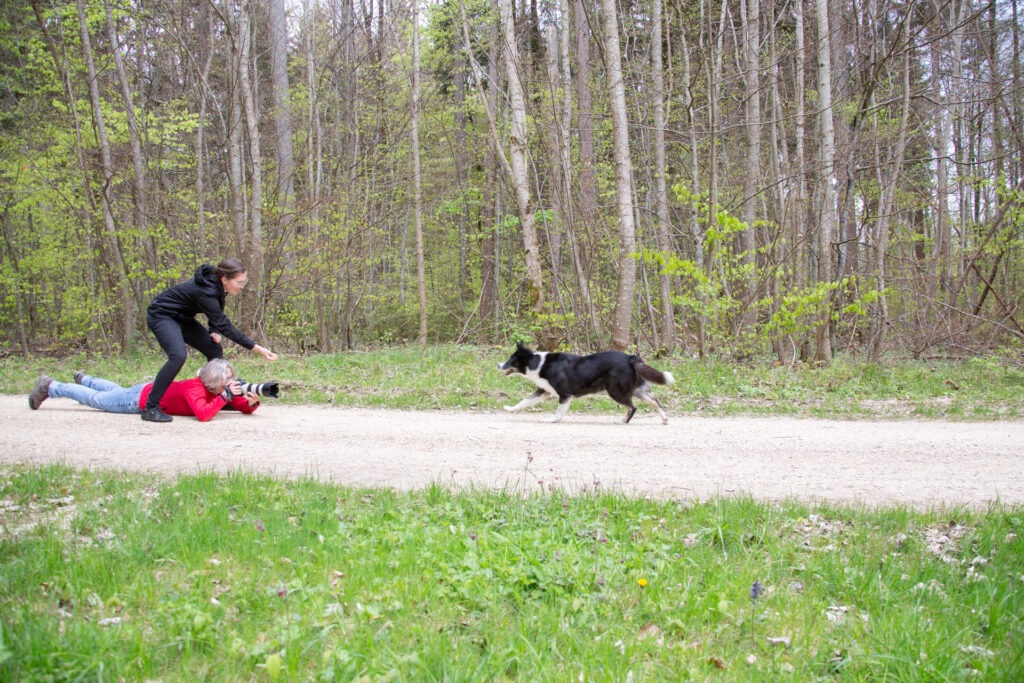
(664, 238)
(826, 180)
(623, 316)
(587, 154)
(313, 179)
(489, 244)
(414, 142)
(694, 215)
(254, 308)
(518, 159)
(206, 59)
(748, 243)
(283, 154)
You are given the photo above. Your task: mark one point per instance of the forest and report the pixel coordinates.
(783, 179)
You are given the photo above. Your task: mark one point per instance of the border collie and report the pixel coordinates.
(567, 376)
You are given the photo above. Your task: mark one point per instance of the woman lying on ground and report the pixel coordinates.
(203, 396)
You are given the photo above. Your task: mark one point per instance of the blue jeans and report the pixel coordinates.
(101, 394)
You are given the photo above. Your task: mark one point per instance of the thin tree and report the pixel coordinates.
(254, 252)
(623, 315)
(281, 113)
(751, 52)
(663, 232)
(414, 142)
(518, 160)
(826, 180)
(587, 147)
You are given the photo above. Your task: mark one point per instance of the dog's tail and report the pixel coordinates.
(649, 374)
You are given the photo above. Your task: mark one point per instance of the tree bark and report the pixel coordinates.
(587, 154)
(826, 179)
(622, 319)
(694, 215)
(314, 177)
(519, 160)
(751, 47)
(664, 238)
(414, 142)
(254, 256)
(281, 114)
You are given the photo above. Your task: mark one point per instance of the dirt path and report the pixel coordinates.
(923, 464)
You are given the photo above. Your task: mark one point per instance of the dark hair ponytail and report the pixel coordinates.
(229, 268)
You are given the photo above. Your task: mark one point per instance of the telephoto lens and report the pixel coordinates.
(262, 389)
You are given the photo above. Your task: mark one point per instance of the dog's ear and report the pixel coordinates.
(521, 346)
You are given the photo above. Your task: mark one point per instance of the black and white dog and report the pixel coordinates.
(567, 376)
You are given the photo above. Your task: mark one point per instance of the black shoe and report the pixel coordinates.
(154, 414)
(79, 376)
(40, 392)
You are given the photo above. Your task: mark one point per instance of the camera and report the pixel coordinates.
(262, 389)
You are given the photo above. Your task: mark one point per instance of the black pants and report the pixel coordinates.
(173, 337)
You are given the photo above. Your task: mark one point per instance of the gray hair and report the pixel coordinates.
(216, 374)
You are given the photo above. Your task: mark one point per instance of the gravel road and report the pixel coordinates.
(923, 464)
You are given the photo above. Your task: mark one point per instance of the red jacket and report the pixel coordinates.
(190, 397)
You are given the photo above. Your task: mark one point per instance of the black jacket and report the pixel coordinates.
(204, 294)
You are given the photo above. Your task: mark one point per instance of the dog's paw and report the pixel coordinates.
(510, 409)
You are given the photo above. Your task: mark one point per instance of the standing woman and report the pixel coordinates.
(172, 318)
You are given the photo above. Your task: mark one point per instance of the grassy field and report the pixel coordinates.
(116, 576)
(109, 576)
(466, 378)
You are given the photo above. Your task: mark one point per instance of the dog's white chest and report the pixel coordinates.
(534, 376)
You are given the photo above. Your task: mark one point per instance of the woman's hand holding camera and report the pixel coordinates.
(231, 389)
(235, 388)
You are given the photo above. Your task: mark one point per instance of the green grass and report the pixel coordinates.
(110, 576)
(459, 377)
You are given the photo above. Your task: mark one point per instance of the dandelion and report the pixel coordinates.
(642, 582)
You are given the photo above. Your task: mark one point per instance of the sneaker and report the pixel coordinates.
(79, 376)
(154, 414)
(40, 393)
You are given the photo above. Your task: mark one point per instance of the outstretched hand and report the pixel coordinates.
(266, 353)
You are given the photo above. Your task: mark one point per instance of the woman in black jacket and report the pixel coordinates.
(172, 317)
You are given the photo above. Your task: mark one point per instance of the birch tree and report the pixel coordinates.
(417, 193)
(826, 179)
(518, 156)
(668, 325)
(622, 318)
(751, 49)
(281, 110)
